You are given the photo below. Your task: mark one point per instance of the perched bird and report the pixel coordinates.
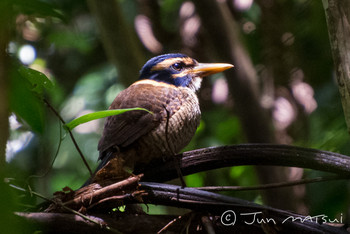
(167, 87)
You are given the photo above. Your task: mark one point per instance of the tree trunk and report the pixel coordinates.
(119, 40)
(338, 20)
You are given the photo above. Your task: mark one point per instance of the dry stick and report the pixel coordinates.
(115, 199)
(169, 224)
(101, 193)
(270, 186)
(208, 225)
(71, 135)
(174, 221)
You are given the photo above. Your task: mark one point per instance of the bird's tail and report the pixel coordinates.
(112, 168)
(104, 160)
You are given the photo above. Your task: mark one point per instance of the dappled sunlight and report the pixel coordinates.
(187, 9)
(220, 91)
(27, 28)
(27, 54)
(22, 140)
(302, 91)
(143, 27)
(304, 94)
(283, 113)
(191, 24)
(16, 145)
(243, 5)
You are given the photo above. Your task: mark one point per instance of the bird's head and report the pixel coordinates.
(180, 70)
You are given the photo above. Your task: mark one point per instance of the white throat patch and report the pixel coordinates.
(195, 83)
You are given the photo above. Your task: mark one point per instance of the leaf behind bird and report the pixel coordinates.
(99, 115)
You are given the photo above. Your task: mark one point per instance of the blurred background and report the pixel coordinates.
(282, 89)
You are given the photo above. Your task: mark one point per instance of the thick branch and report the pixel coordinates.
(249, 154)
(216, 204)
(69, 223)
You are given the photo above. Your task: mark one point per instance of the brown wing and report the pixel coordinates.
(122, 130)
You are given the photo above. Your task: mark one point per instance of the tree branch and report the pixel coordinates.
(95, 198)
(216, 204)
(270, 186)
(201, 202)
(248, 154)
(70, 223)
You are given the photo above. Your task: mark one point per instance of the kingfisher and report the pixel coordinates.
(167, 87)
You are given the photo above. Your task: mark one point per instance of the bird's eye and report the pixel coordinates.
(178, 66)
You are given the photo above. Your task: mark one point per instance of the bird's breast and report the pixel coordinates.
(176, 129)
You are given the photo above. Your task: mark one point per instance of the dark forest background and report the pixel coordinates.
(282, 90)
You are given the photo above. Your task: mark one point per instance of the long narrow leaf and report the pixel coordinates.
(99, 115)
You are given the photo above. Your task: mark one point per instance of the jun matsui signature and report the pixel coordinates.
(229, 218)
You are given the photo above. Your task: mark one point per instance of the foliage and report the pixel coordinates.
(98, 115)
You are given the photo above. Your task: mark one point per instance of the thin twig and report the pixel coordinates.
(116, 199)
(168, 225)
(270, 186)
(53, 161)
(66, 208)
(71, 136)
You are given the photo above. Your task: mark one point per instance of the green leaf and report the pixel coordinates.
(25, 103)
(37, 79)
(99, 115)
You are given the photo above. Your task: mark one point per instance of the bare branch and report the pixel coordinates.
(95, 195)
(249, 154)
(269, 186)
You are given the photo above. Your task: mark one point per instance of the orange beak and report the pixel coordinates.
(206, 69)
